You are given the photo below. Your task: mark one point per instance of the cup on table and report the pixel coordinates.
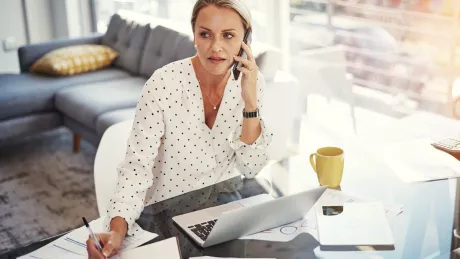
(328, 164)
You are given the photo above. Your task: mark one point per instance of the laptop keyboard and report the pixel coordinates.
(202, 230)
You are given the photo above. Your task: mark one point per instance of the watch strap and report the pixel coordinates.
(253, 114)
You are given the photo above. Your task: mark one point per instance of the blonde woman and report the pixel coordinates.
(194, 123)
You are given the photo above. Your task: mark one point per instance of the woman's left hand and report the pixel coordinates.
(249, 71)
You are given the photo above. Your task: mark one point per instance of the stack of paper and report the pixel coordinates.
(73, 244)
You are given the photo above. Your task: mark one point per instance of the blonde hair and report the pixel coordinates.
(236, 5)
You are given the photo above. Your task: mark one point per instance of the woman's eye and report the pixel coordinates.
(228, 36)
(204, 35)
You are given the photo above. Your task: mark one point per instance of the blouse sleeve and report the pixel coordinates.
(250, 159)
(135, 172)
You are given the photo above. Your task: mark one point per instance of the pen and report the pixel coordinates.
(94, 237)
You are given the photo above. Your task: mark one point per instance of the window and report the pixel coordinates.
(398, 47)
(178, 11)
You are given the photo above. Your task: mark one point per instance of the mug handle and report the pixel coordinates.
(313, 161)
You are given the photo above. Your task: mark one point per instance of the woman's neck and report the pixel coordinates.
(206, 79)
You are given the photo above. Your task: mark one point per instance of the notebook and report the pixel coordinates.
(165, 249)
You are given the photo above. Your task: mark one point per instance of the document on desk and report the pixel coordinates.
(418, 161)
(309, 223)
(73, 244)
(353, 224)
(165, 249)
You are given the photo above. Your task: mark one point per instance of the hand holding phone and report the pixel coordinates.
(236, 72)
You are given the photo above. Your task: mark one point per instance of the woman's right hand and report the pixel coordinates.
(110, 242)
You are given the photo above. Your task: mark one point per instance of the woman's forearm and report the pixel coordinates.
(119, 225)
(251, 128)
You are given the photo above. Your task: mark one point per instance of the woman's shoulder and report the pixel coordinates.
(182, 63)
(165, 79)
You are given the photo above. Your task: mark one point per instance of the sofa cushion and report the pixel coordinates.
(27, 93)
(185, 48)
(84, 103)
(105, 120)
(128, 38)
(74, 60)
(29, 124)
(162, 47)
(81, 130)
(30, 53)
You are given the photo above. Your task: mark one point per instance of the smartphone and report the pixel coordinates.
(236, 72)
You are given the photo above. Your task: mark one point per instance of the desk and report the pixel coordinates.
(423, 230)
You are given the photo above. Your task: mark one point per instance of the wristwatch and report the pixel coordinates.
(254, 114)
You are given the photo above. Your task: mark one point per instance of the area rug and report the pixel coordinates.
(45, 188)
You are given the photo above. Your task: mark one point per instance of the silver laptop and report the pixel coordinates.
(236, 219)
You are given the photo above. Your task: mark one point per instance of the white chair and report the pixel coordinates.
(324, 70)
(110, 153)
(280, 114)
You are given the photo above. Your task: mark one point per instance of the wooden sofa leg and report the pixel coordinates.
(76, 143)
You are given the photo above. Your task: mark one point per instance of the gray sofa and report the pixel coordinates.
(90, 103)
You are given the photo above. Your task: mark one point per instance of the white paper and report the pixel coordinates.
(165, 249)
(73, 244)
(309, 225)
(360, 223)
(418, 161)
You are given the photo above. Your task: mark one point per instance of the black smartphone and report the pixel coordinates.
(236, 72)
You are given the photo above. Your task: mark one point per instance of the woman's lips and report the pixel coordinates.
(216, 60)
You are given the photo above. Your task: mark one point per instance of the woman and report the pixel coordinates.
(190, 129)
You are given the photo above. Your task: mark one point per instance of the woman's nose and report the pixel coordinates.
(217, 46)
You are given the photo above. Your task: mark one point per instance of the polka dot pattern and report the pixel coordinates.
(171, 150)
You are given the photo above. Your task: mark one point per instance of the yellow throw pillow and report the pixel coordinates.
(74, 60)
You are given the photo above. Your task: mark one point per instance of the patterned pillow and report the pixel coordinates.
(74, 60)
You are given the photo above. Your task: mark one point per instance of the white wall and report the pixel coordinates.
(59, 17)
(278, 34)
(39, 17)
(71, 18)
(12, 25)
(85, 17)
(40, 21)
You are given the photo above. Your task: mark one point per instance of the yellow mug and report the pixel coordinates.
(328, 164)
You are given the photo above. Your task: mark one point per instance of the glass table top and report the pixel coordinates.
(422, 230)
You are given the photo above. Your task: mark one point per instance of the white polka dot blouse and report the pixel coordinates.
(171, 150)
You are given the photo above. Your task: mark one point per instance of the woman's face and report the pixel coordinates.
(218, 36)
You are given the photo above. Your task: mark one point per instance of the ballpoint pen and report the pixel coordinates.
(98, 245)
